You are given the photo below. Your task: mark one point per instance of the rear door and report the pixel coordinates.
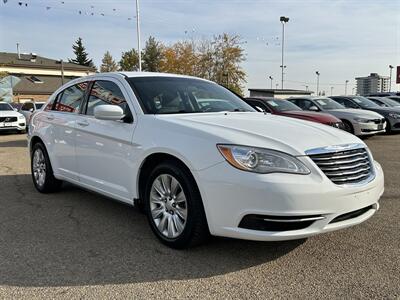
(61, 136)
(103, 148)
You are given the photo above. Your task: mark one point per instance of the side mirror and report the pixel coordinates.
(313, 108)
(108, 112)
(31, 110)
(15, 109)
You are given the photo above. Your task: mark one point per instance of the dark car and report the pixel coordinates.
(395, 98)
(384, 94)
(391, 114)
(288, 109)
(384, 101)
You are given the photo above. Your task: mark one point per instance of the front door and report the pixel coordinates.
(103, 148)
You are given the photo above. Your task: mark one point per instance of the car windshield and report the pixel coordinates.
(39, 105)
(283, 105)
(389, 101)
(175, 95)
(365, 102)
(328, 104)
(5, 107)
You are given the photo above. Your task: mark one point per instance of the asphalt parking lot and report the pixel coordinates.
(75, 244)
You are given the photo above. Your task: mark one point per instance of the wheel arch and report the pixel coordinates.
(152, 160)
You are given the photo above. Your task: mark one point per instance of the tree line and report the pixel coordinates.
(217, 59)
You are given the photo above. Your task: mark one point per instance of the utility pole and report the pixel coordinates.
(345, 87)
(331, 90)
(62, 71)
(390, 78)
(283, 20)
(271, 78)
(138, 35)
(318, 73)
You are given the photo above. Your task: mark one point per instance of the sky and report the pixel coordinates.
(342, 39)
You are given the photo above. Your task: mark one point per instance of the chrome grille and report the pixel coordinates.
(8, 119)
(345, 167)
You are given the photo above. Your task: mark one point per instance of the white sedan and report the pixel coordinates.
(200, 161)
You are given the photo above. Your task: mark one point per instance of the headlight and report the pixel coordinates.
(260, 160)
(362, 120)
(394, 115)
(21, 117)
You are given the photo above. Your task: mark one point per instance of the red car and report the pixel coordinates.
(286, 108)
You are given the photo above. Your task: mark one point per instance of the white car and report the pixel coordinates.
(10, 119)
(143, 138)
(28, 108)
(360, 122)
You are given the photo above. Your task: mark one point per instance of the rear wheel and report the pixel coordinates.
(174, 207)
(42, 172)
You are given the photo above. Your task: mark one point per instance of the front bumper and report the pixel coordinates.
(369, 128)
(394, 124)
(229, 198)
(20, 125)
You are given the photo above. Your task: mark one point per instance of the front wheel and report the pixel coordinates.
(174, 207)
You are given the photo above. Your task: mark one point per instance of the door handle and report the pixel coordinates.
(50, 117)
(83, 123)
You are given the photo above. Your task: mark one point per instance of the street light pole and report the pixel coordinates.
(138, 35)
(271, 78)
(345, 87)
(318, 73)
(331, 90)
(390, 78)
(283, 20)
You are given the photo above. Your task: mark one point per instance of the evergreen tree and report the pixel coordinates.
(129, 61)
(152, 55)
(81, 56)
(108, 64)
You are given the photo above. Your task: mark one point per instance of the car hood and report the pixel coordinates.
(354, 113)
(9, 113)
(311, 116)
(386, 110)
(280, 133)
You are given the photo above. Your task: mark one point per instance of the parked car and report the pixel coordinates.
(395, 98)
(11, 119)
(143, 138)
(384, 94)
(391, 114)
(384, 101)
(357, 121)
(30, 107)
(288, 109)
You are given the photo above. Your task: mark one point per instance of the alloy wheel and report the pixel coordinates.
(39, 167)
(168, 206)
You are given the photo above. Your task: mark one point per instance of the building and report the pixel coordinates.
(371, 84)
(38, 77)
(278, 93)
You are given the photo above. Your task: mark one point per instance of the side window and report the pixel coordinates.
(27, 106)
(106, 92)
(339, 100)
(348, 103)
(70, 99)
(301, 103)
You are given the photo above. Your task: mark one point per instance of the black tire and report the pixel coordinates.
(388, 127)
(348, 127)
(50, 184)
(196, 229)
